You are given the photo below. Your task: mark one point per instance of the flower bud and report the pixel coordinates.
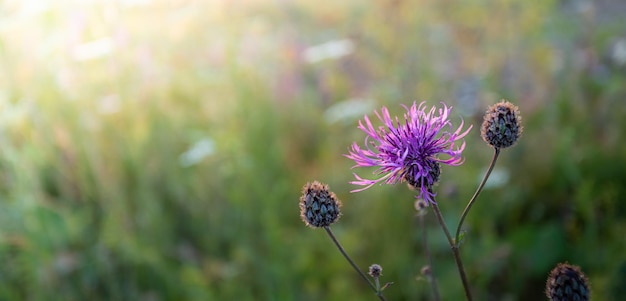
(375, 270)
(567, 282)
(319, 207)
(502, 125)
(420, 205)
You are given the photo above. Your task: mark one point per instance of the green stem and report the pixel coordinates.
(473, 199)
(455, 251)
(431, 279)
(343, 252)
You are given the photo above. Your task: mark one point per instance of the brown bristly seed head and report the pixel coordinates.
(502, 125)
(319, 207)
(567, 282)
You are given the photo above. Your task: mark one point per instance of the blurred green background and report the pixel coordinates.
(155, 150)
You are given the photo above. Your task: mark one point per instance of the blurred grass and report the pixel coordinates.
(165, 162)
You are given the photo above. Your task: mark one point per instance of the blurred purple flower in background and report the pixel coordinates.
(409, 151)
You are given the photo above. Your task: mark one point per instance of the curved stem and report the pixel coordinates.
(455, 251)
(343, 252)
(431, 279)
(473, 199)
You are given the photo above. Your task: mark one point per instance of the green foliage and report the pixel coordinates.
(168, 165)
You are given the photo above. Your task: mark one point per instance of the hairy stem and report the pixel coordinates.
(473, 199)
(455, 251)
(343, 252)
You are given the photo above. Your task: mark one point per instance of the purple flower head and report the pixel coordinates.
(410, 150)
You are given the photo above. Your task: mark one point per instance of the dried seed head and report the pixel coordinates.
(502, 125)
(566, 282)
(319, 207)
(375, 270)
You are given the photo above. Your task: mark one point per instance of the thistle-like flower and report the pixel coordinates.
(319, 207)
(566, 282)
(410, 150)
(502, 125)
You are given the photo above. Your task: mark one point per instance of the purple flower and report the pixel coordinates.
(409, 151)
